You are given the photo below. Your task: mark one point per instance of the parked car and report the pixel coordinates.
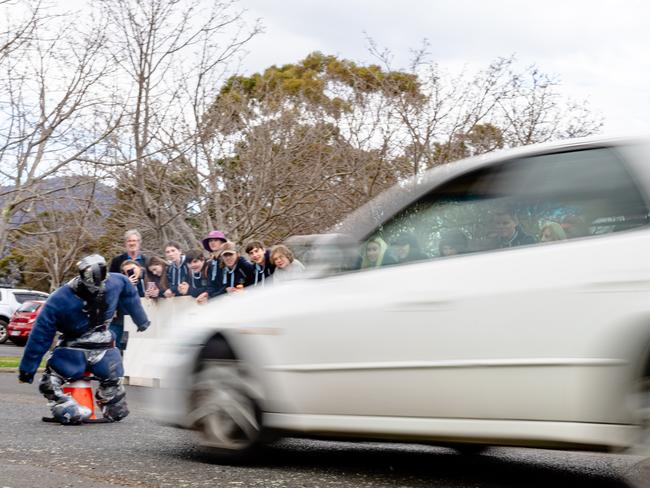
(10, 300)
(493, 333)
(22, 321)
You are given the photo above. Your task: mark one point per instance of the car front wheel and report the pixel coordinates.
(3, 331)
(642, 445)
(224, 410)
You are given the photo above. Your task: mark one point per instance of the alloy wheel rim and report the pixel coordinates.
(223, 411)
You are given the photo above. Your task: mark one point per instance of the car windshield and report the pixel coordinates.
(29, 307)
(22, 297)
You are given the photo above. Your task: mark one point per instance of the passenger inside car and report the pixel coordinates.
(375, 254)
(508, 231)
(453, 242)
(552, 232)
(575, 226)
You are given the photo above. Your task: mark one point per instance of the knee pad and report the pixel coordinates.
(109, 392)
(70, 412)
(111, 398)
(115, 411)
(50, 387)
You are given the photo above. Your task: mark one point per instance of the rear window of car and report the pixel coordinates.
(22, 297)
(29, 307)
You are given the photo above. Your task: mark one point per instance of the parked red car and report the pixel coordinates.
(22, 321)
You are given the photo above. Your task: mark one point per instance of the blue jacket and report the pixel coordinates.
(220, 278)
(261, 273)
(519, 238)
(177, 274)
(63, 312)
(198, 283)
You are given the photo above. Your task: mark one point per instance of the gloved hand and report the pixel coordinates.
(24, 377)
(145, 326)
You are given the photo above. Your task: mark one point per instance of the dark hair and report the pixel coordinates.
(173, 244)
(193, 254)
(253, 245)
(130, 262)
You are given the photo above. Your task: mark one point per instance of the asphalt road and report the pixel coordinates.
(138, 452)
(10, 350)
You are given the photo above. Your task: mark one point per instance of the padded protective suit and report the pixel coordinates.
(85, 345)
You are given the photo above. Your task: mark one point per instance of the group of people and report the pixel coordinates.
(217, 269)
(507, 232)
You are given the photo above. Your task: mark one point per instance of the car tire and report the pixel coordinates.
(469, 449)
(224, 409)
(18, 342)
(3, 331)
(642, 414)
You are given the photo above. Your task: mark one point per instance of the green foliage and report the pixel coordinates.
(308, 82)
(14, 362)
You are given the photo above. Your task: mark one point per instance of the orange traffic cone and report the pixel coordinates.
(82, 392)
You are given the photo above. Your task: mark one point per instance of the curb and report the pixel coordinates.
(15, 370)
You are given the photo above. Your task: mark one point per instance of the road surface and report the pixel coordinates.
(138, 452)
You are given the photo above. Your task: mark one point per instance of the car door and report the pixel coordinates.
(507, 328)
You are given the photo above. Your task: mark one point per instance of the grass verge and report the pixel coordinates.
(13, 362)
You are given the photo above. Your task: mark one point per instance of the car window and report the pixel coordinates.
(29, 307)
(553, 197)
(22, 297)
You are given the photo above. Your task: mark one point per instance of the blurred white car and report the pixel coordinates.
(507, 340)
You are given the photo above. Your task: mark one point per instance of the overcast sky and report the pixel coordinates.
(600, 50)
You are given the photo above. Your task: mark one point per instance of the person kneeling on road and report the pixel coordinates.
(81, 311)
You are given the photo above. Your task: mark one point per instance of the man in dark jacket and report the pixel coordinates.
(132, 243)
(509, 232)
(261, 259)
(197, 282)
(81, 311)
(177, 270)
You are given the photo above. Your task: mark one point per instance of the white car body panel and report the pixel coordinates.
(456, 430)
(435, 338)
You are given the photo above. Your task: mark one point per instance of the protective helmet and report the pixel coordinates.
(92, 271)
